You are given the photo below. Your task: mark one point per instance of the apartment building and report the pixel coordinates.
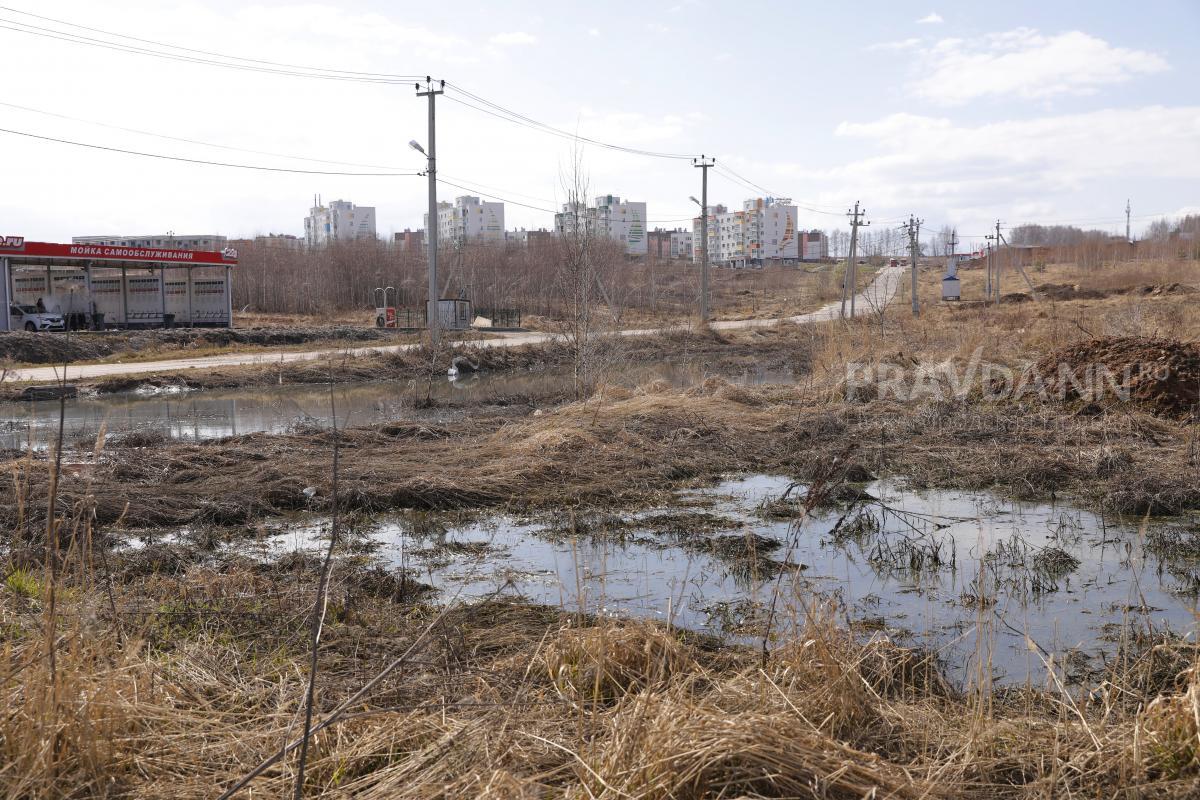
(166, 241)
(666, 245)
(341, 220)
(814, 246)
(761, 234)
(469, 220)
(610, 218)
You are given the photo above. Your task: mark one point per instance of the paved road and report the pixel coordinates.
(878, 294)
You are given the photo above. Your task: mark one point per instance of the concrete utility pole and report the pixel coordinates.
(432, 320)
(1128, 237)
(850, 281)
(996, 280)
(703, 164)
(987, 287)
(914, 252)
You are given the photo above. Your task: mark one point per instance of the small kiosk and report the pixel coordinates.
(103, 286)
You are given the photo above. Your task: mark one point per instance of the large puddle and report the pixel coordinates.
(216, 414)
(987, 584)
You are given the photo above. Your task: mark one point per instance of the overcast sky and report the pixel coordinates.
(959, 113)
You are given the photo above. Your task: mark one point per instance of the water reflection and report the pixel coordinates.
(218, 413)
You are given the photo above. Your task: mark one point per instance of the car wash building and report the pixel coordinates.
(97, 286)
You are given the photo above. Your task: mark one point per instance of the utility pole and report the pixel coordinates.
(1128, 237)
(996, 277)
(703, 164)
(914, 252)
(987, 287)
(432, 319)
(850, 281)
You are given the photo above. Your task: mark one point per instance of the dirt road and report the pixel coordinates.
(877, 295)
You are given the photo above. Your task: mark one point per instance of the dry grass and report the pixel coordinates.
(513, 701)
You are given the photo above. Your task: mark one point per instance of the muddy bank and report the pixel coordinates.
(626, 447)
(58, 348)
(786, 347)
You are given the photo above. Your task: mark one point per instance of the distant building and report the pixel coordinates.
(530, 239)
(658, 244)
(469, 220)
(167, 241)
(681, 243)
(608, 218)
(408, 240)
(283, 241)
(762, 233)
(815, 246)
(341, 220)
(664, 244)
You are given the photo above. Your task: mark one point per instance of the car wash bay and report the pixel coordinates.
(99, 286)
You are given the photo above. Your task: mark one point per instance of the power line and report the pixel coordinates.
(88, 41)
(747, 183)
(208, 163)
(467, 188)
(196, 141)
(205, 52)
(500, 112)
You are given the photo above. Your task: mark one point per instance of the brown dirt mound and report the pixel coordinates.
(1162, 375)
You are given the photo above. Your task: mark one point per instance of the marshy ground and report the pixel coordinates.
(159, 644)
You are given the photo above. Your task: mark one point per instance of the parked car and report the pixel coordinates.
(29, 318)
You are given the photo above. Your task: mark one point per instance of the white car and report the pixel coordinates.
(29, 318)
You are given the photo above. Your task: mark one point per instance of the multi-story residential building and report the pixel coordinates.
(681, 243)
(762, 233)
(341, 220)
(608, 218)
(665, 245)
(469, 220)
(167, 241)
(814, 246)
(408, 240)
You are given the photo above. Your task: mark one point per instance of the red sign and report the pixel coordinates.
(16, 246)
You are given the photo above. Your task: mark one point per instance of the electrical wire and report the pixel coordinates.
(500, 112)
(197, 141)
(73, 38)
(466, 188)
(204, 52)
(205, 162)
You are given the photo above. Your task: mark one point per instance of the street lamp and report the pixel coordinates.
(416, 146)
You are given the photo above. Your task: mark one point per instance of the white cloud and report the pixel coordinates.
(935, 163)
(593, 31)
(1026, 63)
(932, 18)
(513, 38)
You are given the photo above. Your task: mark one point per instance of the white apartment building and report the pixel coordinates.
(609, 218)
(762, 233)
(167, 241)
(469, 219)
(341, 220)
(681, 244)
